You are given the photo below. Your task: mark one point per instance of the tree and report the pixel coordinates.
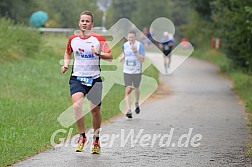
(120, 9)
(203, 8)
(17, 10)
(61, 13)
(234, 26)
(148, 11)
(67, 13)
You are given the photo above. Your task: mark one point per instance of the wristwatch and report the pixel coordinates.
(99, 53)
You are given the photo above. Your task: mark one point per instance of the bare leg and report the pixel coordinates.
(166, 63)
(77, 100)
(169, 62)
(128, 90)
(96, 118)
(137, 94)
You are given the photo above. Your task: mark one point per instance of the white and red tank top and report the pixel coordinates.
(86, 63)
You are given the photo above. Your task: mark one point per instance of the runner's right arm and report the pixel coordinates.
(67, 59)
(121, 58)
(67, 55)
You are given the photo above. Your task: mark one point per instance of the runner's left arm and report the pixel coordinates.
(106, 56)
(102, 54)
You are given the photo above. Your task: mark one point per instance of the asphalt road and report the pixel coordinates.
(200, 123)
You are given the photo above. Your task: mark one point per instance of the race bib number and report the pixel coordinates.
(131, 63)
(88, 81)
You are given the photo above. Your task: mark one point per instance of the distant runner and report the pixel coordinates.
(133, 56)
(166, 44)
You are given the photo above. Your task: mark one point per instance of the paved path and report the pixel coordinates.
(201, 104)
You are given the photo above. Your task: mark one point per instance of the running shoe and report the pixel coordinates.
(137, 109)
(81, 143)
(129, 114)
(96, 149)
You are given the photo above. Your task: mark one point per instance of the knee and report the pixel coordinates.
(137, 90)
(128, 90)
(77, 107)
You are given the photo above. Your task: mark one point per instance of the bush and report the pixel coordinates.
(199, 31)
(17, 41)
(235, 30)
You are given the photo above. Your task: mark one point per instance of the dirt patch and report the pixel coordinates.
(162, 91)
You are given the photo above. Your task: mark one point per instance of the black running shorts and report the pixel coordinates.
(93, 93)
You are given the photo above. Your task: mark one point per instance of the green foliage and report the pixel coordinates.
(120, 9)
(17, 41)
(236, 32)
(199, 31)
(142, 12)
(179, 15)
(17, 10)
(146, 12)
(67, 15)
(229, 20)
(61, 13)
(203, 8)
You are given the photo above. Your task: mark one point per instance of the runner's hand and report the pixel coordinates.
(64, 69)
(133, 48)
(94, 50)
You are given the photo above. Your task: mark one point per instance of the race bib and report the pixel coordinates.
(131, 62)
(166, 47)
(88, 81)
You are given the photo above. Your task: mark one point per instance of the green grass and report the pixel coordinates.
(16, 41)
(242, 82)
(34, 93)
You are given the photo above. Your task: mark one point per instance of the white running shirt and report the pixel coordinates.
(86, 64)
(132, 65)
